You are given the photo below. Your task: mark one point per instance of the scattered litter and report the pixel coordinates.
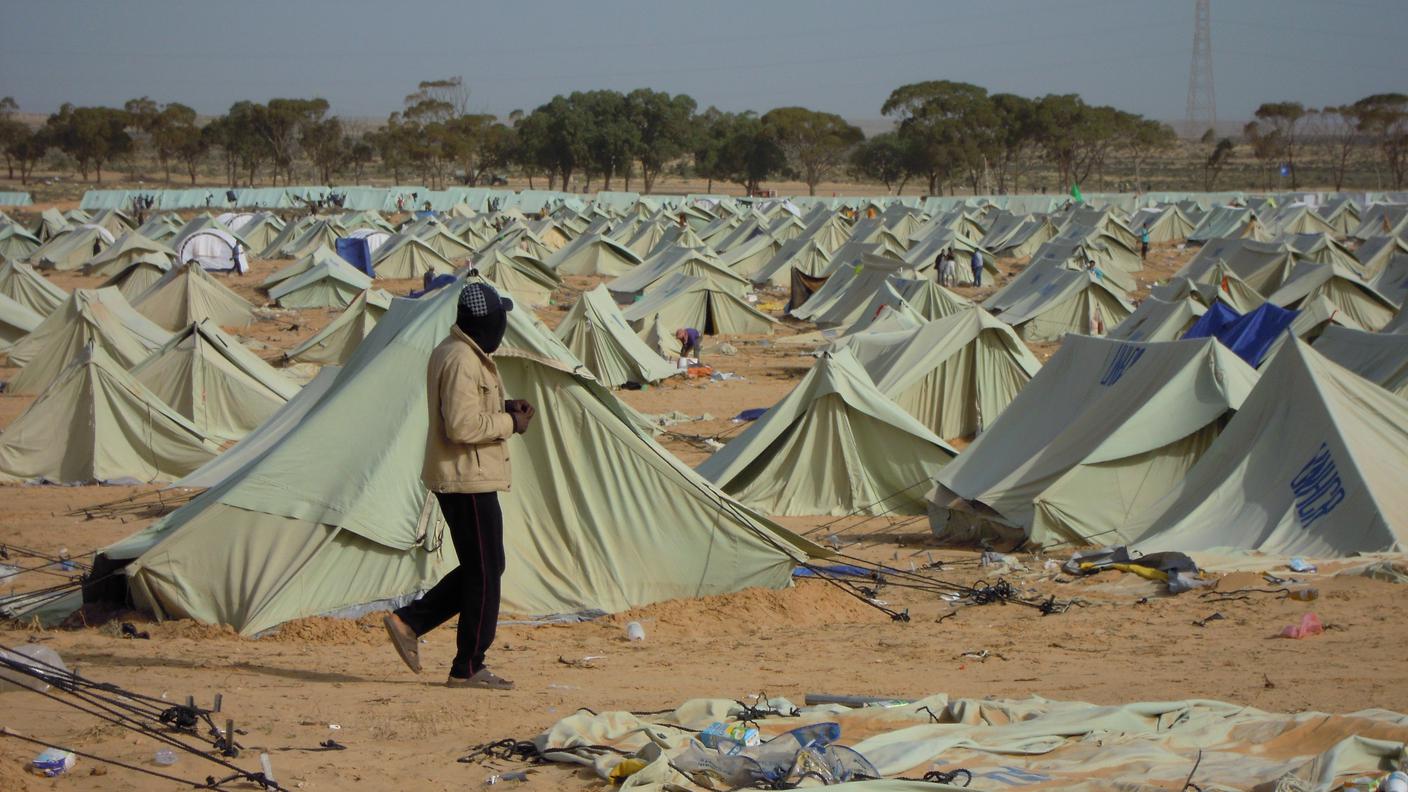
(635, 632)
(52, 762)
(557, 686)
(982, 656)
(129, 630)
(582, 662)
(1203, 622)
(335, 726)
(164, 758)
(1299, 564)
(499, 778)
(1309, 625)
(724, 376)
(750, 415)
(726, 349)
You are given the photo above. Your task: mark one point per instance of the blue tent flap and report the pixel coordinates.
(1212, 322)
(357, 253)
(1251, 335)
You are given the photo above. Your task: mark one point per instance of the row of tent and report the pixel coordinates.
(410, 198)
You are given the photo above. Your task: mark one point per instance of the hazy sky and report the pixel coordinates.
(843, 57)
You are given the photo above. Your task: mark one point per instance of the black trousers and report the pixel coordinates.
(471, 591)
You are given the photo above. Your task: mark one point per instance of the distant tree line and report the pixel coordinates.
(947, 135)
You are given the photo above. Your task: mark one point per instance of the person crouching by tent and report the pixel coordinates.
(690, 345)
(466, 467)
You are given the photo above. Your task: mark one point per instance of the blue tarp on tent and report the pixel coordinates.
(357, 253)
(1252, 335)
(1210, 323)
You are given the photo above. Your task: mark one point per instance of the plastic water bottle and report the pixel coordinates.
(1397, 781)
(164, 757)
(635, 632)
(1305, 594)
(500, 778)
(64, 562)
(266, 767)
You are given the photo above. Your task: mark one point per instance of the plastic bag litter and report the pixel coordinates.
(1309, 625)
(807, 750)
(45, 661)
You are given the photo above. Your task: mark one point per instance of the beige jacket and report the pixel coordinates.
(466, 448)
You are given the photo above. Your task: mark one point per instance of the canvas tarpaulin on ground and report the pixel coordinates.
(1032, 743)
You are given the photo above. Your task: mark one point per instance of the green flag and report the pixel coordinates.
(1075, 193)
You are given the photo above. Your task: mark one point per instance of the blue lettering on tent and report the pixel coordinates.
(1014, 776)
(1125, 358)
(1317, 488)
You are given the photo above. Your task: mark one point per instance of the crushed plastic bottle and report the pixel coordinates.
(65, 563)
(52, 762)
(500, 778)
(165, 757)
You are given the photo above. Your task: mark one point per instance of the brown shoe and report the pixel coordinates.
(404, 639)
(483, 679)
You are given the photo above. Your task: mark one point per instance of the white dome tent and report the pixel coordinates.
(215, 250)
(375, 238)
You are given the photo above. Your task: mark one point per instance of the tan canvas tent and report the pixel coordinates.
(833, 445)
(592, 254)
(682, 301)
(188, 293)
(955, 375)
(213, 381)
(527, 279)
(16, 322)
(326, 539)
(95, 423)
(1312, 464)
(1103, 431)
(599, 336)
(1339, 286)
(1159, 320)
(409, 257)
(334, 344)
(128, 248)
(1381, 358)
(91, 317)
(23, 284)
(138, 277)
(1056, 301)
(327, 284)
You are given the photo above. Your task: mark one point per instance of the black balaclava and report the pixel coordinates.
(483, 315)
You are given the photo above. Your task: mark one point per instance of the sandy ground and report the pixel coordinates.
(1123, 640)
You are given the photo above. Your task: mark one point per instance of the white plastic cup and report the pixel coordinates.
(635, 632)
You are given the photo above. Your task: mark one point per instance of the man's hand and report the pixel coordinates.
(521, 412)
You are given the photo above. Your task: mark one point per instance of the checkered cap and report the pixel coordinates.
(478, 297)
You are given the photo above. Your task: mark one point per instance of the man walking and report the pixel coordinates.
(977, 264)
(1144, 242)
(466, 466)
